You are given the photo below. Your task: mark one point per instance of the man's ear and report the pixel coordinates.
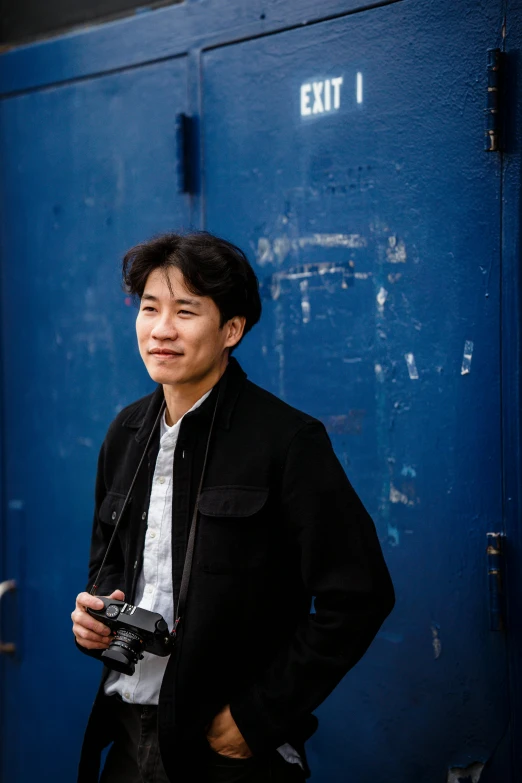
(235, 328)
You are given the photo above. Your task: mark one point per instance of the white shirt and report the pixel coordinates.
(154, 585)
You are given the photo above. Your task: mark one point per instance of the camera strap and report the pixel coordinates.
(125, 502)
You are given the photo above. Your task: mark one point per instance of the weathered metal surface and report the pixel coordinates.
(347, 158)
(86, 170)
(375, 224)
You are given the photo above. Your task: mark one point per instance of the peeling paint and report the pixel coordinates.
(466, 359)
(412, 367)
(281, 248)
(396, 251)
(393, 535)
(437, 645)
(471, 773)
(379, 373)
(271, 285)
(396, 496)
(312, 270)
(264, 254)
(331, 240)
(305, 301)
(407, 470)
(267, 252)
(381, 299)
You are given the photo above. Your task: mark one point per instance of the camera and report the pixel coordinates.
(135, 631)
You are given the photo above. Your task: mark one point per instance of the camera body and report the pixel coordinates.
(135, 631)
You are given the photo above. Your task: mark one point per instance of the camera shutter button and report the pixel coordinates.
(161, 626)
(112, 611)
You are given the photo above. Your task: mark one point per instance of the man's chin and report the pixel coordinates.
(165, 376)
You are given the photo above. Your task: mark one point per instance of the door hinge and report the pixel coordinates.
(187, 131)
(495, 564)
(492, 112)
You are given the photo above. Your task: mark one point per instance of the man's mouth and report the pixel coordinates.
(164, 352)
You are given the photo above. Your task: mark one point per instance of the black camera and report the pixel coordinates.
(136, 631)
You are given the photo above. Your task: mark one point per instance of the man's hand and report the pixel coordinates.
(88, 631)
(225, 738)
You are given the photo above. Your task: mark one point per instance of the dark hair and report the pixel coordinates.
(210, 266)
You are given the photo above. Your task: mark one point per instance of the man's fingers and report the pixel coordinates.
(118, 595)
(90, 639)
(83, 620)
(86, 600)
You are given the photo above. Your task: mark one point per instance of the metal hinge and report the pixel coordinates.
(187, 153)
(492, 113)
(495, 557)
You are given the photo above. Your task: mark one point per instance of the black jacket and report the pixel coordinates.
(279, 524)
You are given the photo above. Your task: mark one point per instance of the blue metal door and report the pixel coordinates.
(347, 157)
(88, 169)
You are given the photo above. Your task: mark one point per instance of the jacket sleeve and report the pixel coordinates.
(343, 567)
(112, 576)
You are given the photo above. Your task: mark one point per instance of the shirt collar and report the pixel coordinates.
(143, 416)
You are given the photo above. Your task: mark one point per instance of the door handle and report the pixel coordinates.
(7, 587)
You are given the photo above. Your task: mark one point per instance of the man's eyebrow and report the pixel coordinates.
(190, 302)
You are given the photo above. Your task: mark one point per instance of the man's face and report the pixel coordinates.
(179, 334)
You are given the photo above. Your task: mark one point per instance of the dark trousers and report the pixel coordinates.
(135, 758)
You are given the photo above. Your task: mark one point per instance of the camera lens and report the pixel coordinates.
(124, 652)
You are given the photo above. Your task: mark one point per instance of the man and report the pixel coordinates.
(278, 525)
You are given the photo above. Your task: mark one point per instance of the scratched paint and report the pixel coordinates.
(396, 496)
(396, 251)
(305, 301)
(435, 640)
(381, 297)
(269, 252)
(271, 286)
(467, 357)
(411, 365)
(379, 372)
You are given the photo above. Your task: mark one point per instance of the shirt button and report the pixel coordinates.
(161, 479)
(127, 695)
(144, 515)
(113, 515)
(152, 534)
(149, 589)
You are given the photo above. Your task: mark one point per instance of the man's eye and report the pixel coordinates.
(186, 312)
(148, 307)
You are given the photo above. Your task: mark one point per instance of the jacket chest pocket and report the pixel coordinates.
(232, 528)
(110, 508)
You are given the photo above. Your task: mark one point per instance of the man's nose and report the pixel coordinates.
(164, 329)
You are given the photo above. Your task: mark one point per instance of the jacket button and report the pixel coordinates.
(113, 515)
(144, 515)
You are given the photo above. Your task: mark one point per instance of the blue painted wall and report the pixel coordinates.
(386, 243)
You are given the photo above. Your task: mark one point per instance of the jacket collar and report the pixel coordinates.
(143, 416)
